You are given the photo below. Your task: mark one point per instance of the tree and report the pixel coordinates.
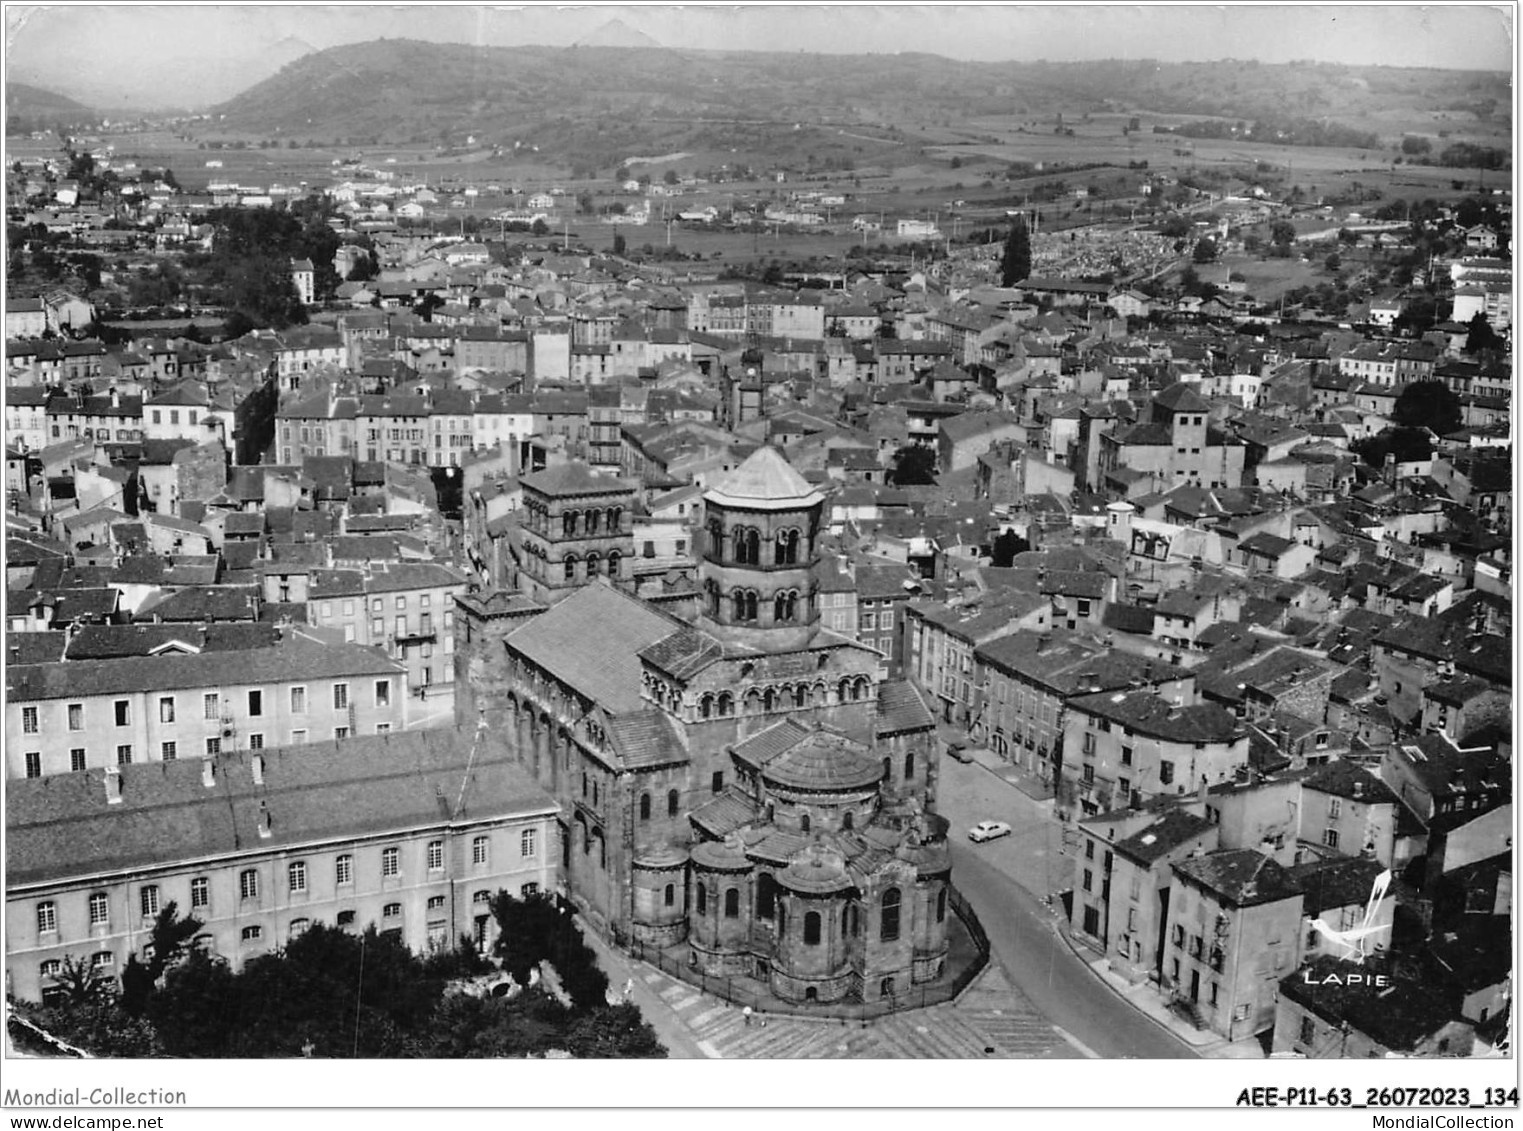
(1407, 445)
(1482, 336)
(914, 465)
(1431, 405)
(670, 176)
(1205, 250)
(1015, 265)
(1333, 263)
(539, 227)
(1416, 146)
(525, 932)
(365, 268)
(619, 243)
(1006, 545)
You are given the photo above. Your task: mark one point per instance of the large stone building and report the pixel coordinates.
(748, 788)
(411, 832)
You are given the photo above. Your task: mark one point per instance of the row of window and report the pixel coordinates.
(212, 707)
(296, 880)
(170, 751)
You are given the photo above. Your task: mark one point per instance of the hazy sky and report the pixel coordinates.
(192, 55)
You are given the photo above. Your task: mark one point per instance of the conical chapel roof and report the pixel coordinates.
(765, 481)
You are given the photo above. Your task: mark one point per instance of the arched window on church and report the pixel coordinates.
(909, 766)
(843, 690)
(785, 606)
(712, 588)
(748, 604)
(941, 905)
(769, 700)
(673, 800)
(846, 921)
(568, 566)
(847, 820)
(613, 564)
(888, 918)
(766, 895)
(593, 561)
(716, 539)
(804, 822)
(706, 706)
(752, 702)
(786, 551)
(811, 928)
(670, 895)
(592, 521)
(859, 688)
(732, 903)
(568, 523)
(703, 899)
(726, 704)
(615, 519)
(801, 695)
(644, 806)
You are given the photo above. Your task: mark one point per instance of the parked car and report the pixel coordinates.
(958, 752)
(988, 830)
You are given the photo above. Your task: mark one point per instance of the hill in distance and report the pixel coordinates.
(616, 33)
(23, 99)
(595, 102)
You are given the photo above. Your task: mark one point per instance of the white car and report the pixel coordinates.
(988, 830)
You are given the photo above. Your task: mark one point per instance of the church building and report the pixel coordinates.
(749, 790)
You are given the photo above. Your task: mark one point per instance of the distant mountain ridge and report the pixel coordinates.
(593, 102)
(25, 99)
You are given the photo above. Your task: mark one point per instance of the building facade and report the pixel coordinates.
(261, 844)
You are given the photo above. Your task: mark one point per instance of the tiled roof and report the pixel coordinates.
(204, 603)
(764, 480)
(1240, 876)
(1399, 1012)
(115, 641)
(61, 826)
(684, 653)
(901, 709)
(1350, 780)
(724, 814)
(386, 577)
(34, 647)
(254, 667)
(592, 641)
(646, 739)
(767, 744)
(1156, 717)
(823, 762)
(1341, 881)
(574, 478)
(1172, 829)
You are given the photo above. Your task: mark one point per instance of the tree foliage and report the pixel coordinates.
(914, 465)
(1431, 405)
(1015, 264)
(1006, 545)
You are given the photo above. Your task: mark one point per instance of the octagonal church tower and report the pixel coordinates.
(757, 571)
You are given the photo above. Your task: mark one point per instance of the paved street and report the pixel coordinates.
(991, 1020)
(1007, 881)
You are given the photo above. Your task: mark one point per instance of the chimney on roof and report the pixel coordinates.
(208, 773)
(113, 786)
(256, 766)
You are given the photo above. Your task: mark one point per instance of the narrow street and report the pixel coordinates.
(1007, 881)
